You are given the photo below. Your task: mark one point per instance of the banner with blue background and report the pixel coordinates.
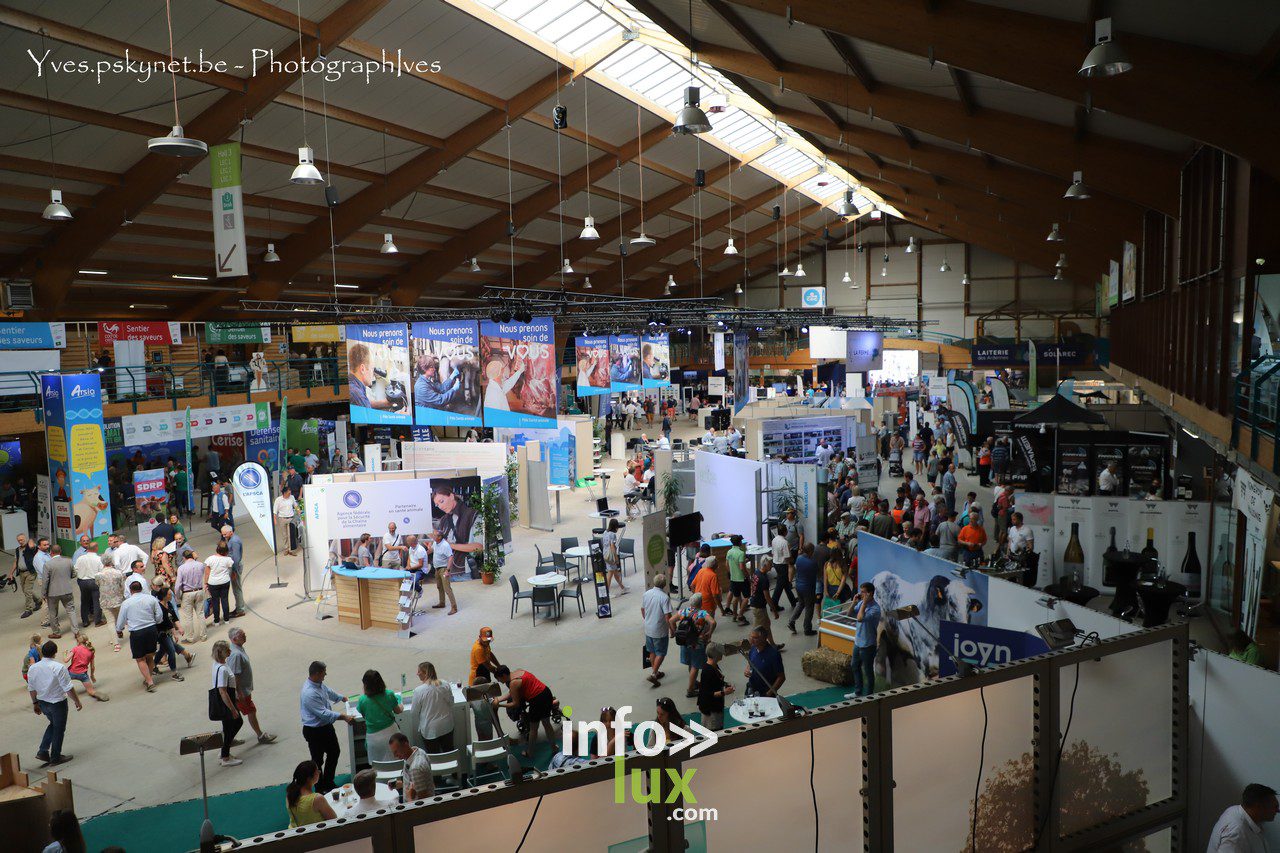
(520, 373)
(446, 373)
(77, 457)
(655, 361)
(33, 335)
(624, 363)
(378, 374)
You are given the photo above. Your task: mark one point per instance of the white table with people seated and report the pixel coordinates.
(407, 722)
(346, 802)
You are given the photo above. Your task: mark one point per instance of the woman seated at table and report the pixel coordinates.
(301, 800)
(379, 707)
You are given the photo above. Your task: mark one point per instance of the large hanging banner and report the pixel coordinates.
(148, 331)
(252, 488)
(44, 512)
(237, 333)
(1254, 500)
(230, 250)
(718, 337)
(378, 374)
(591, 352)
(220, 420)
(263, 446)
(149, 499)
(624, 363)
(77, 457)
(864, 352)
(33, 335)
(446, 373)
(741, 370)
(520, 376)
(320, 333)
(655, 361)
(716, 386)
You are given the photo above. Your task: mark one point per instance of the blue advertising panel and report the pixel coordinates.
(263, 446)
(655, 360)
(378, 370)
(591, 353)
(77, 457)
(624, 363)
(446, 373)
(519, 376)
(741, 370)
(983, 646)
(33, 335)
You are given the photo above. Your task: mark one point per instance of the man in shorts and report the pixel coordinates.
(655, 608)
(739, 588)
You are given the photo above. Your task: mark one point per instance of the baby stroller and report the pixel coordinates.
(895, 463)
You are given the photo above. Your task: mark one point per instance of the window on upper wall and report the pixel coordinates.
(1155, 254)
(1201, 230)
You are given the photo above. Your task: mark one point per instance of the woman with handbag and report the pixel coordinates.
(379, 707)
(222, 702)
(612, 560)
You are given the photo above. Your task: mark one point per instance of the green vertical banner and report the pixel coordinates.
(186, 433)
(230, 248)
(1033, 385)
(284, 446)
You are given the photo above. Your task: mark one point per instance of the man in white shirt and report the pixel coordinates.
(365, 784)
(735, 439)
(133, 573)
(393, 548)
(285, 509)
(1239, 828)
(709, 439)
(124, 553)
(1021, 537)
(441, 560)
(140, 614)
(49, 684)
(824, 452)
(1108, 480)
(87, 566)
(416, 560)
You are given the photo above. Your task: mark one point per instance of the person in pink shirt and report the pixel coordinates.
(80, 666)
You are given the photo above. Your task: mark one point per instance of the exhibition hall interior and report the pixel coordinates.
(639, 426)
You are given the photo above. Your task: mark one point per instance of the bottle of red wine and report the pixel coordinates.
(1111, 549)
(1149, 553)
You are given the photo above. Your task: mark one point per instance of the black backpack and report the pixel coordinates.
(686, 630)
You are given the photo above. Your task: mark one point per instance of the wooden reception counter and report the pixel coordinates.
(369, 597)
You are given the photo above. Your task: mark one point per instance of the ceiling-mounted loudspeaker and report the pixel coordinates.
(777, 212)
(560, 117)
(331, 196)
(699, 177)
(19, 296)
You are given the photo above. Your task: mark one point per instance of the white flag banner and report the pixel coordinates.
(719, 350)
(253, 493)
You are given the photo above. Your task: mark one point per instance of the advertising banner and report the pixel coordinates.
(521, 379)
(355, 508)
(1037, 515)
(1073, 469)
(813, 297)
(1129, 272)
(77, 457)
(33, 335)
(1145, 466)
(149, 498)
(230, 447)
(458, 521)
(624, 363)
(237, 333)
(1113, 284)
(718, 342)
(828, 342)
(864, 352)
(655, 360)
(559, 449)
(997, 354)
(263, 447)
(911, 577)
(984, 647)
(378, 374)
(148, 331)
(130, 457)
(230, 249)
(1187, 545)
(221, 420)
(591, 353)
(22, 366)
(44, 512)
(653, 546)
(867, 462)
(252, 487)
(446, 373)
(741, 370)
(1103, 455)
(320, 333)
(716, 386)
(1253, 500)
(999, 393)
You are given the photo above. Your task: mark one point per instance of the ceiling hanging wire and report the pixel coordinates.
(55, 211)
(511, 217)
(697, 246)
(589, 231)
(305, 172)
(565, 268)
(328, 167)
(175, 144)
(729, 248)
(642, 239)
(622, 245)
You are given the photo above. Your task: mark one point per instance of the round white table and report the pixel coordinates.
(557, 489)
(345, 806)
(755, 552)
(755, 709)
(604, 480)
(549, 579)
(580, 553)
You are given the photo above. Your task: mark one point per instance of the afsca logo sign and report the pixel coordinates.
(351, 499)
(814, 297)
(250, 478)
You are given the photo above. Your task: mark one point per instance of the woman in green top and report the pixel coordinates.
(300, 798)
(379, 707)
(1243, 648)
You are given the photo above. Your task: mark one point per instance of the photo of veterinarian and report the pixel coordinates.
(446, 374)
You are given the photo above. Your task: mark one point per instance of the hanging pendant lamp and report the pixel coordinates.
(589, 231)
(1062, 262)
(1106, 59)
(1055, 235)
(1077, 191)
(567, 268)
(799, 269)
(691, 118)
(729, 248)
(475, 265)
(738, 288)
(55, 210)
(847, 279)
(306, 173)
(388, 245)
(586, 285)
(271, 257)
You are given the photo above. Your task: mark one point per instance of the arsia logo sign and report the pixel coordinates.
(649, 739)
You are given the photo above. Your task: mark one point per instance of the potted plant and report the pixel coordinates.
(787, 497)
(669, 494)
(487, 502)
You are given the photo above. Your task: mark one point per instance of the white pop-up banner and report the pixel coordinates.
(253, 493)
(355, 508)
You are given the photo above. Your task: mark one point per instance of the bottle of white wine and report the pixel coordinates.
(1073, 556)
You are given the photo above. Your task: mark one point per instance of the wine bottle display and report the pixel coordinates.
(1191, 560)
(1073, 556)
(1149, 551)
(1111, 549)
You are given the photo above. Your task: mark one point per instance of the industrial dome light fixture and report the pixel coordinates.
(1058, 276)
(567, 268)
(671, 282)
(946, 267)
(729, 248)
(175, 144)
(799, 269)
(589, 231)
(691, 118)
(643, 240)
(1055, 235)
(785, 272)
(305, 173)
(964, 279)
(847, 207)
(911, 245)
(1062, 262)
(884, 272)
(1077, 191)
(271, 257)
(55, 210)
(586, 284)
(846, 279)
(738, 288)
(1106, 59)
(475, 265)
(388, 245)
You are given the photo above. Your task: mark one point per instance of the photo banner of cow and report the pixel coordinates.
(624, 363)
(655, 360)
(519, 373)
(446, 373)
(77, 456)
(378, 374)
(906, 654)
(591, 353)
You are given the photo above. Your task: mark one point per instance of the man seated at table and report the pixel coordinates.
(366, 785)
(416, 781)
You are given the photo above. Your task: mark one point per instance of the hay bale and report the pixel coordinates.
(827, 665)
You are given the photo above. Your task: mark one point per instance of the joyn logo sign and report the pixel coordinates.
(649, 740)
(814, 297)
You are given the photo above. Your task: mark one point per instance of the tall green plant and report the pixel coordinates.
(787, 497)
(487, 502)
(669, 494)
(513, 485)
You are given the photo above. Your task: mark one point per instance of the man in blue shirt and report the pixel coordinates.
(805, 577)
(764, 672)
(866, 613)
(235, 550)
(318, 718)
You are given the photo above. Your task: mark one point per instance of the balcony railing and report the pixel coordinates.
(1257, 401)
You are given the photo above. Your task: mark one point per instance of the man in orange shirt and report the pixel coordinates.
(973, 536)
(708, 584)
